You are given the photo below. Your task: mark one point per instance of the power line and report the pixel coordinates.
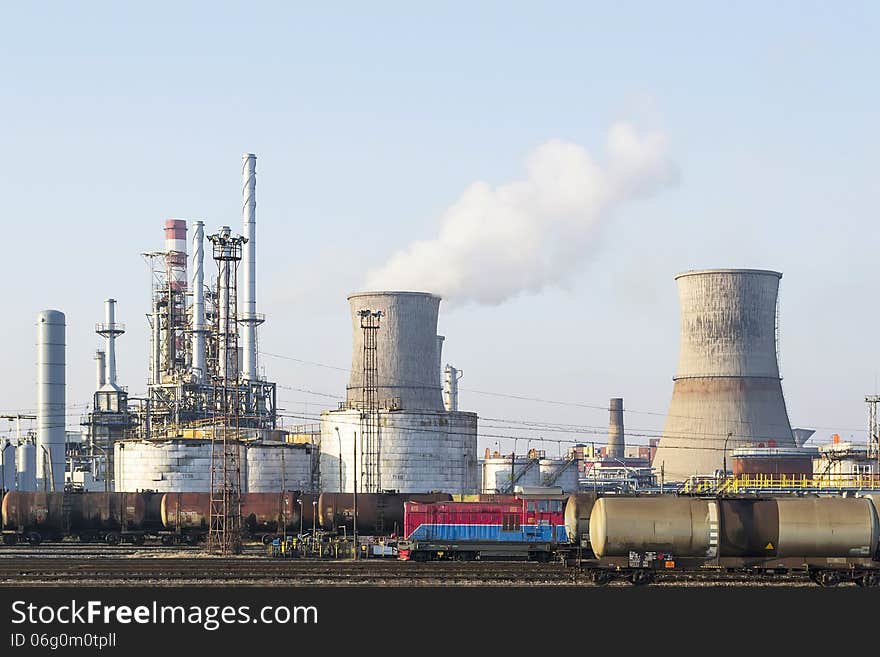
(557, 402)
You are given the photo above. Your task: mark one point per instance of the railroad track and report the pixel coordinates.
(207, 571)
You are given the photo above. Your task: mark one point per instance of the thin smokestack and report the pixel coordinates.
(249, 257)
(100, 372)
(109, 330)
(198, 303)
(616, 441)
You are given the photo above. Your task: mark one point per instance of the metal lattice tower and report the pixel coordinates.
(371, 477)
(873, 428)
(224, 531)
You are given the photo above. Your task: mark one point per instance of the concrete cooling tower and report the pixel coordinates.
(727, 391)
(411, 444)
(408, 365)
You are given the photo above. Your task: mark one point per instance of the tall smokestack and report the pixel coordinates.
(51, 402)
(100, 372)
(198, 303)
(175, 250)
(249, 317)
(109, 330)
(616, 441)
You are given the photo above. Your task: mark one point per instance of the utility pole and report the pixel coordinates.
(354, 472)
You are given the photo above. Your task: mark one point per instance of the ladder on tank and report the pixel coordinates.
(551, 479)
(519, 475)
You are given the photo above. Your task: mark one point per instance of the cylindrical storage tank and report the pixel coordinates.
(418, 452)
(51, 405)
(377, 513)
(616, 441)
(727, 391)
(685, 527)
(7, 465)
(560, 473)
(175, 465)
(793, 462)
(578, 509)
(26, 465)
(273, 467)
(498, 472)
(185, 511)
(34, 512)
(270, 512)
(407, 363)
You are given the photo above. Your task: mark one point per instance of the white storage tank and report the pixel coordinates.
(26, 465)
(419, 452)
(498, 472)
(167, 466)
(273, 467)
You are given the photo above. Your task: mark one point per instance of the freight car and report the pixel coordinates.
(831, 539)
(378, 514)
(186, 516)
(109, 517)
(532, 527)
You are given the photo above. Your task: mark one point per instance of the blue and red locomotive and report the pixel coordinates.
(525, 526)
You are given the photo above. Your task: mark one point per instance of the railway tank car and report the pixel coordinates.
(378, 514)
(186, 516)
(832, 539)
(109, 517)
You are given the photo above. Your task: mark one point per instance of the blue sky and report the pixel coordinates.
(370, 121)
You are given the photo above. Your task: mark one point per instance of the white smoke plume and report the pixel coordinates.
(522, 236)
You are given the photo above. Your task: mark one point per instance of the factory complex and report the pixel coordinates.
(206, 434)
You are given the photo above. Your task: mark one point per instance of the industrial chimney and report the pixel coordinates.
(110, 330)
(249, 317)
(616, 441)
(51, 405)
(199, 330)
(408, 366)
(727, 391)
(100, 371)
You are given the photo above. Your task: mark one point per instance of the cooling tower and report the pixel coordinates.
(407, 359)
(412, 445)
(727, 391)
